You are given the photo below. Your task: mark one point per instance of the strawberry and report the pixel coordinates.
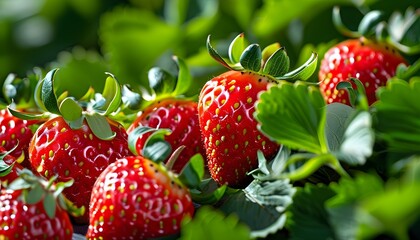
(171, 111)
(226, 108)
(77, 142)
(16, 133)
(136, 198)
(33, 208)
(370, 60)
(9, 167)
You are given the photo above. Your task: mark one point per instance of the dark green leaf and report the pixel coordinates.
(161, 81)
(208, 192)
(294, 115)
(100, 126)
(193, 172)
(48, 96)
(70, 109)
(130, 98)
(50, 205)
(308, 218)
(209, 223)
(277, 64)
(155, 147)
(369, 22)
(265, 203)
(251, 58)
(5, 168)
(216, 56)
(236, 47)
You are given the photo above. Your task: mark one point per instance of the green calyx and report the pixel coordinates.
(5, 168)
(272, 61)
(165, 85)
(398, 31)
(92, 107)
(35, 189)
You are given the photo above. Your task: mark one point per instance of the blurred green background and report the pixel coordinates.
(87, 38)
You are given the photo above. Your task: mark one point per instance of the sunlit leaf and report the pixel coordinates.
(100, 126)
(70, 109)
(236, 47)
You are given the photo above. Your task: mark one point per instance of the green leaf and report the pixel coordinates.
(48, 96)
(397, 115)
(130, 99)
(265, 203)
(161, 81)
(193, 172)
(337, 118)
(358, 140)
(35, 194)
(293, 115)
(308, 218)
(184, 79)
(5, 169)
(208, 192)
(277, 64)
(50, 205)
(112, 95)
(236, 47)
(251, 58)
(216, 56)
(155, 147)
(369, 22)
(209, 223)
(100, 126)
(70, 109)
(343, 206)
(303, 72)
(18, 184)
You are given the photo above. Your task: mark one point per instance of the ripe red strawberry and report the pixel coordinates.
(136, 198)
(226, 108)
(9, 167)
(371, 61)
(33, 208)
(171, 111)
(79, 143)
(16, 133)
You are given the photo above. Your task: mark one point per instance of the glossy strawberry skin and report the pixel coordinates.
(135, 198)
(56, 149)
(30, 221)
(181, 117)
(371, 62)
(231, 138)
(16, 132)
(14, 172)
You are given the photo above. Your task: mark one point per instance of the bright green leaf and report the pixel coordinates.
(277, 64)
(303, 72)
(236, 47)
(184, 79)
(209, 223)
(112, 95)
(294, 115)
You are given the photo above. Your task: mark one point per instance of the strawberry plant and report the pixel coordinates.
(369, 56)
(77, 141)
(226, 107)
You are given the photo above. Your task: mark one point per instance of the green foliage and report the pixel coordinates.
(210, 223)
